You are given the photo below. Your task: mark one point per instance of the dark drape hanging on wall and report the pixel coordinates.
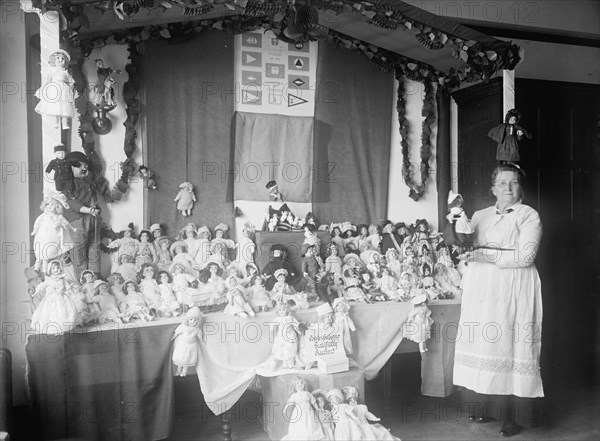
(352, 137)
(190, 96)
(443, 153)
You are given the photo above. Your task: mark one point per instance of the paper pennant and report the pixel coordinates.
(294, 100)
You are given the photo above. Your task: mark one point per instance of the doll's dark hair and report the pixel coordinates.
(219, 269)
(204, 276)
(169, 276)
(360, 227)
(148, 233)
(510, 114)
(335, 228)
(143, 268)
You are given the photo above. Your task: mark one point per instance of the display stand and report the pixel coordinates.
(276, 391)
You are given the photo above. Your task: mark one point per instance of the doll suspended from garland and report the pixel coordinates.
(507, 135)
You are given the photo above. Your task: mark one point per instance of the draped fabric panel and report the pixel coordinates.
(443, 152)
(352, 137)
(190, 95)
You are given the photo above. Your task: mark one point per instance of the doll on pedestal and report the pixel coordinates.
(287, 337)
(64, 180)
(419, 321)
(186, 342)
(236, 303)
(57, 94)
(507, 135)
(304, 423)
(371, 432)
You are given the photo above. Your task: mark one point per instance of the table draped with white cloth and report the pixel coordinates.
(115, 382)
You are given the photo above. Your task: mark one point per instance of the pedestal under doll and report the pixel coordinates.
(419, 321)
(186, 342)
(507, 135)
(304, 423)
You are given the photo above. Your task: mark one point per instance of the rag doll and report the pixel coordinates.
(507, 135)
(186, 341)
(51, 231)
(419, 321)
(344, 323)
(64, 180)
(56, 312)
(285, 342)
(303, 422)
(236, 303)
(185, 198)
(57, 94)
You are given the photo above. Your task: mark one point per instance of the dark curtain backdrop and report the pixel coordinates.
(352, 137)
(190, 96)
(443, 153)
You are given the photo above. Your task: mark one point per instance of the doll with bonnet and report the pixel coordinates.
(185, 198)
(346, 423)
(304, 424)
(507, 136)
(186, 341)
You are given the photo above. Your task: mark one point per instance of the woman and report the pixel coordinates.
(497, 358)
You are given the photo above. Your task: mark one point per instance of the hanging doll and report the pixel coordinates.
(107, 303)
(145, 251)
(419, 321)
(147, 176)
(303, 422)
(185, 198)
(236, 303)
(257, 294)
(149, 287)
(507, 135)
(51, 231)
(57, 94)
(56, 312)
(344, 323)
(64, 180)
(459, 230)
(285, 342)
(246, 247)
(346, 423)
(324, 414)
(136, 306)
(169, 306)
(365, 418)
(186, 341)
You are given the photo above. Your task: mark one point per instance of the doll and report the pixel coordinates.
(364, 418)
(371, 259)
(352, 290)
(86, 280)
(507, 135)
(393, 262)
(352, 260)
(164, 259)
(374, 238)
(285, 218)
(277, 261)
(169, 306)
(185, 198)
(273, 190)
(148, 177)
(56, 95)
(189, 236)
(126, 244)
(145, 249)
(410, 261)
(127, 268)
(104, 88)
(115, 280)
(272, 220)
(285, 343)
(444, 281)
(148, 286)
(203, 239)
(346, 422)
(246, 247)
(311, 266)
(324, 414)
(333, 263)
(428, 283)
(303, 422)
(370, 288)
(459, 230)
(181, 283)
(186, 341)
(236, 303)
(406, 286)
(258, 295)
(281, 291)
(362, 237)
(107, 303)
(56, 312)
(387, 283)
(157, 233)
(136, 305)
(310, 236)
(336, 238)
(389, 238)
(51, 231)
(218, 255)
(64, 181)
(344, 322)
(445, 259)
(220, 238)
(180, 255)
(419, 321)
(251, 272)
(34, 278)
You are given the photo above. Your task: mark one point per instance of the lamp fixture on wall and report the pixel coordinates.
(305, 24)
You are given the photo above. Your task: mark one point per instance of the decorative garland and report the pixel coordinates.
(428, 111)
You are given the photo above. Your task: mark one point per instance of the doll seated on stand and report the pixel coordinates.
(187, 339)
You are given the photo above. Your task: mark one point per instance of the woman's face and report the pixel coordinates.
(507, 188)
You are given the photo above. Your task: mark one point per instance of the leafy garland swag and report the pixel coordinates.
(428, 111)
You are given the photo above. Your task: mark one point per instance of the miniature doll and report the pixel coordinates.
(419, 321)
(303, 422)
(187, 339)
(107, 303)
(324, 414)
(285, 218)
(333, 263)
(57, 94)
(346, 423)
(104, 88)
(145, 252)
(246, 247)
(164, 259)
(148, 286)
(64, 181)
(336, 238)
(148, 176)
(285, 343)
(369, 431)
(236, 303)
(272, 220)
(126, 244)
(257, 294)
(185, 198)
(344, 322)
(281, 291)
(459, 230)
(136, 305)
(169, 306)
(387, 283)
(51, 231)
(115, 280)
(273, 190)
(352, 290)
(508, 135)
(56, 312)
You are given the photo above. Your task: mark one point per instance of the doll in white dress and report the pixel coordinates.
(257, 294)
(371, 432)
(304, 423)
(164, 259)
(51, 231)
(115, 281)
(347, 426)
(56, 312)
(387, 283)
(333, 265)
(343, 321)
(107, 303)
(281, 291)
(127, 268)
(246, 247)
(145, 252)
(189, 235)
(418, 323)
(136, 305)
(169, 306)
(236, 303)
(186, 342)
(149, 287)
(181, 284)
(324, 414)
(287, 337)
(126, 245)
(185, 198)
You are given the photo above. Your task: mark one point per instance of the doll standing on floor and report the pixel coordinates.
(57, 94)
(371, 432)
(347, 426)
(236, 303)
(419, 321)
(56, 312)
(303, 423)
(186, 342)
(285, 343)
(324, 414)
